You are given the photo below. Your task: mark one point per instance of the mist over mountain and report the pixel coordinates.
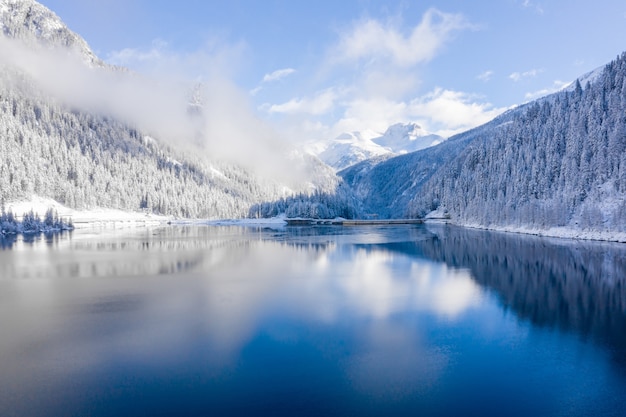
(87, 134)
(557, 162)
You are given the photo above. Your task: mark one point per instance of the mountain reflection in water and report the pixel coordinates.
(574, 286)
(385, 320)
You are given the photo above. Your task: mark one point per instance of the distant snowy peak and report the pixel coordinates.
(407, 137)
(31, 22)
(351, 148)
(359, 136)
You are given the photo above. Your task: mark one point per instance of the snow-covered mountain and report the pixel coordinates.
(351, 148)
(403, 138)
(77, 147)
(36, 25)
(557, 163)
(554, 166)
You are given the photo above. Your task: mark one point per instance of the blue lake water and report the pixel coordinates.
(311, 321)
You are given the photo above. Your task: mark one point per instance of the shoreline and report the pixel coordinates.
(106, 219)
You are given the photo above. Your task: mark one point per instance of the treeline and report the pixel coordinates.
(33, 223)
(84, 160)
(561, 161)
(316, 205)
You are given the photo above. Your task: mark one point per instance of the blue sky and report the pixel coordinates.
(316, 69)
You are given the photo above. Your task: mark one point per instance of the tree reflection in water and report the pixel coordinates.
(570, 285)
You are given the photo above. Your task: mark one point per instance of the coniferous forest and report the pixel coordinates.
(558, 161)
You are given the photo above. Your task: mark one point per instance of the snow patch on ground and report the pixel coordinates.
(105, 218)
(273, 222)
(556, 232)
(96, 217)
(217, 173)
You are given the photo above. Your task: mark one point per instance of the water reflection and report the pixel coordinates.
(335, 321)
(574, 286)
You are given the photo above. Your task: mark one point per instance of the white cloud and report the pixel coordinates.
(441, 111)
(536, 7)
(321, 103)
(518, 76)
(278, 74)
(449, 112)
(556, 86)
(371, 40)
(227, 127)
(213, 57)
(128, 57)
(485, 76)
(375, 114)
(379, 86)
(255, 90)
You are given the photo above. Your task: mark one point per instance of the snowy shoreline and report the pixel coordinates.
(101, 218)
(555, 232)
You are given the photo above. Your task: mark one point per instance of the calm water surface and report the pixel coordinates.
(323, 321)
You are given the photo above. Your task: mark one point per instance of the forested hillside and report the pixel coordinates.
(84, 158)
(384, 188)
(557, 162)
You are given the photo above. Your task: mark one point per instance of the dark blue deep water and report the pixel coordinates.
(311, 321)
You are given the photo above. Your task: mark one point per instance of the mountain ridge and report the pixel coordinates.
(35, 24)
(82, 155)
(350, 148)
(556, 165)
(551, 165)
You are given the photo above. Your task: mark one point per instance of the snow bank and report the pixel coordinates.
(96, 217)
(557, 232)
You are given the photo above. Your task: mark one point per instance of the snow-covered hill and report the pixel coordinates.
(554, 166)
(37, 26)
(351, 148)
(66, 137)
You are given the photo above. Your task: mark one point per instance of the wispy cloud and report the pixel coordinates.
(442, 111)
(518, 76)
(372, 40)
(271, 77)
(556, 86)
(321, 103)
(534, 6)
(278, 74)
(227, 128)
(485, 76)
(448, 112)
(378, 63)
(128, 57)
(214, 56)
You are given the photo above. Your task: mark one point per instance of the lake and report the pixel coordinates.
(427, 320)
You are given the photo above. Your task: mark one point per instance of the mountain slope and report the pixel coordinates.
(35, 24)
(386, 186)
(559, 162)
(66, 145)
